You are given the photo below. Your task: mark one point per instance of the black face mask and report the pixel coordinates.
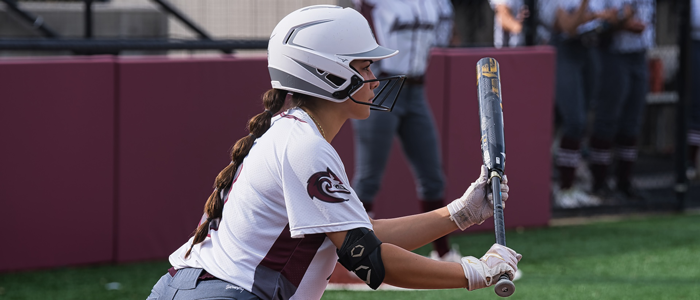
(389, 88)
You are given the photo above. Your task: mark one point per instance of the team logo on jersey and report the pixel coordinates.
(323, 185)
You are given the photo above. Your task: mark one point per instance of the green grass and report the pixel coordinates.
(83, 282)
(640, 258)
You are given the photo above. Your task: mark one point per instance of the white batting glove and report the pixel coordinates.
(488, 269)
(475, 205)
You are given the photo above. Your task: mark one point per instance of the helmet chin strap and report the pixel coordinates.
(392, 83)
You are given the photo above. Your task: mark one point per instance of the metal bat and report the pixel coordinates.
(493, 148)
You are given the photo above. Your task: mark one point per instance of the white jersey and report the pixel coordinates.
(695, 18)
(289, 191)
(410, 26)
(547, 15)
(625, 41)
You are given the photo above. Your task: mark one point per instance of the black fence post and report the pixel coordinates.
(88, 19)
(684, 86)
(530, 28)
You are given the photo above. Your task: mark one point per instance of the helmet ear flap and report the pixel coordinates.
(355, 83)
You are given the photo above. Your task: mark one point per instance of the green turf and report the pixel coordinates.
(641, 258)
(83, 282)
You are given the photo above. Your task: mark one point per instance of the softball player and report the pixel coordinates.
(509, 16)
(619, 108)
(282, 212)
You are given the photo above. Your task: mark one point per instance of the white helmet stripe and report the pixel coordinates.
(376, 53)
(287, 81)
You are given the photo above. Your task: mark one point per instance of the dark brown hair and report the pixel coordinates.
(273, 102)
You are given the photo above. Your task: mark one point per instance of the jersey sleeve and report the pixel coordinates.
(317, 195)
(445, 23)
(546, 13)
(497, 2)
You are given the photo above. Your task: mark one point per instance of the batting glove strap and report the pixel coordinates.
(475, 271)
(462, 216)
(473, 207)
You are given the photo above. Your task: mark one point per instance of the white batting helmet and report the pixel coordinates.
(310, 51)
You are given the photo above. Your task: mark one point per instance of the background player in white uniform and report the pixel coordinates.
(282, 207)
(577, 73)
(694, 125)
(619, 109)
(508, 22)
(413, 27)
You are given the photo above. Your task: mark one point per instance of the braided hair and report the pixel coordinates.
(273, 102)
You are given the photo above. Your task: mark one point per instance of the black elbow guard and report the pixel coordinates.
(362, 255)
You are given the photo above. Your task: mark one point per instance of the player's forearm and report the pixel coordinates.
(581, 13)
(414, 231)
(508, 22)
(410, 270)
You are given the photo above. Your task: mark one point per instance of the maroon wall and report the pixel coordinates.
(178, 119)
(113, 159)
(56, 162)
(527, 78)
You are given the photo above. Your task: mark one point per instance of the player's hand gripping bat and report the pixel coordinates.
(493, 148)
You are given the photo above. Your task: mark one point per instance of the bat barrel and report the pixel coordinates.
(493, 146)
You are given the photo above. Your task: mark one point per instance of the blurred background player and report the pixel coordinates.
(508, 22)
(471, 18)
(620, 107)
(412, 27)
(577, 68)
(694, 128)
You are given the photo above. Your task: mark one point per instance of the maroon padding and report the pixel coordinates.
(56, 162)
(177, 121)
(527, 77)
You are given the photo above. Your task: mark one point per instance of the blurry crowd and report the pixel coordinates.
(601, 86)
(602, 81)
